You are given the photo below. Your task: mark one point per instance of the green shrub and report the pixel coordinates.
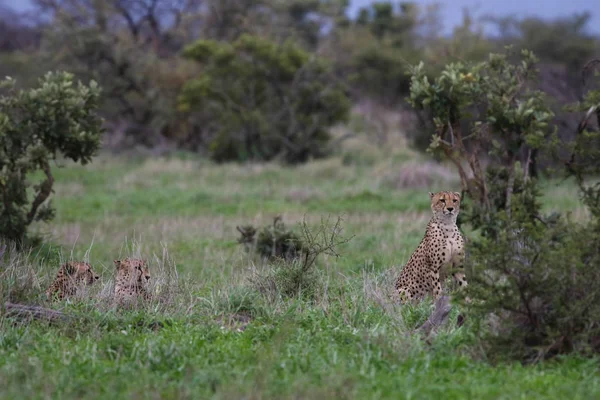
(264, 100)
(37, 126)
(534, 282)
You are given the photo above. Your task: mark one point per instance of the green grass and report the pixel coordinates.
(350, 341)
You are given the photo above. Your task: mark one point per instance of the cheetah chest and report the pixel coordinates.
(449, 245)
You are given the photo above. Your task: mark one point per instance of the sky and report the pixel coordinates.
(452, 9)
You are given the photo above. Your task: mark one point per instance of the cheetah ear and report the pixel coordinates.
(457, 194)
(69, 268)
(431, 194)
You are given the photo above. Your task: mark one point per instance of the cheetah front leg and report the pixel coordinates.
(436, 286)
(458, 274)
(458, 270)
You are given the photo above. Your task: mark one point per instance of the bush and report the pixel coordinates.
(291, 269)
(56, 119)
(536, 281)
(264, 100)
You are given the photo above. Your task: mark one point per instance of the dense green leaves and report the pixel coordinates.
(264, 100)
(485, 109)
(56, 119)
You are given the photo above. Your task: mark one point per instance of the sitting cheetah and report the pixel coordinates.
(131, 276)
(70, 277)
(442, 247)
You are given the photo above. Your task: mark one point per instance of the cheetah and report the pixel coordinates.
(69, 278)
(442, 248)
(130, 279)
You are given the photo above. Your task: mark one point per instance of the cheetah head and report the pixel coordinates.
(80, 272)
(136, 268)
(445, 205)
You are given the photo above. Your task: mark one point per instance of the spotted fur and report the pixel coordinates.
(70, 277)
(132, 274)
(442, 248)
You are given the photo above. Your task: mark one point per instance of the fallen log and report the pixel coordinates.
(438, 317)
(21, 311)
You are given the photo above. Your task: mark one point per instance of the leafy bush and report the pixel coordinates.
(56, 119)
(536, 282)
(264, 100)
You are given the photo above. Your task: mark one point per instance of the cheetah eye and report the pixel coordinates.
(443, 201)
(456, 201)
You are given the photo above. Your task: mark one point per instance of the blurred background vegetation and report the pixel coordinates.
(161, 63)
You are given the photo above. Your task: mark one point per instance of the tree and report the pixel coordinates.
(486, 109)
(264, 100)
(564, 40)
(376, 48)
(56, 119)
(129, 47)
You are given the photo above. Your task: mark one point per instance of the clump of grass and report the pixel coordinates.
(298, 276)
(287, 279)
(20, 281)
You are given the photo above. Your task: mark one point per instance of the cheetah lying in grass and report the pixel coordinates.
(131, 277)
(71, 276)
(442, 247)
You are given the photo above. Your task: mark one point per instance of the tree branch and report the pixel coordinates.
(43, 194)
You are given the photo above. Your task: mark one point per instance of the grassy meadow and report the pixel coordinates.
(208, 332)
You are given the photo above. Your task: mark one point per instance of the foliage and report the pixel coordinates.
(37, 126)
(565, 40)
(375, 48)
(482, 110)
(584, 161)
(534, 284)
(264, 100)
(130, 51)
